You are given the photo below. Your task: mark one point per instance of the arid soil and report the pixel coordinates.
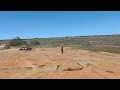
(49, 63)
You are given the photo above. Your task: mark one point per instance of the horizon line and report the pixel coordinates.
(60, 36)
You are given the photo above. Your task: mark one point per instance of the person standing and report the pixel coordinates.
(62, 50)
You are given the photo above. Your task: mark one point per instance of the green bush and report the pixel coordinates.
(34, 42)
(17, 42)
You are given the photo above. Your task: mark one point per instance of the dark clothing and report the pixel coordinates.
(62, 50)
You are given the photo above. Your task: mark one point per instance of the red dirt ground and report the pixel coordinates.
(49, 63)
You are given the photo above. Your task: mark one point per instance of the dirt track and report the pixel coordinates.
(49, 63)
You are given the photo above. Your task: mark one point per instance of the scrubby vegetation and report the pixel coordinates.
(107, 43)
(111, 49)
(34, 42)
(17, 42)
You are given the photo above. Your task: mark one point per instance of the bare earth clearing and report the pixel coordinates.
(49, 63)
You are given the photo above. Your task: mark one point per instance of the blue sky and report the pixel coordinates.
(44, 24)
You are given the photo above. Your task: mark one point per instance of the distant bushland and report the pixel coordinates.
(107, 43)
(17, 41)
(34, 42)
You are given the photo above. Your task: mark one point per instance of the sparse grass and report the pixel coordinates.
(110, 49)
